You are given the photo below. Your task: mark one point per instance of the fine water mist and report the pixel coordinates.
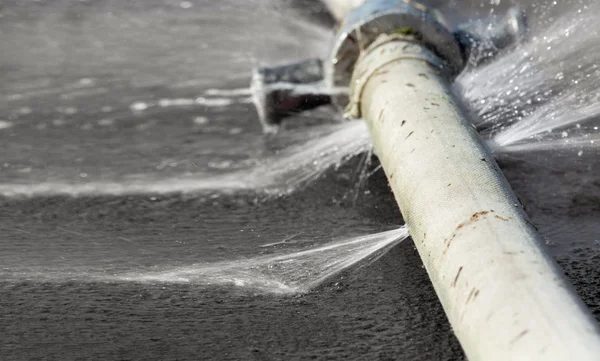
(283, 272)
(315, 151)
(539, 95)
(145, 215)
(542, 95)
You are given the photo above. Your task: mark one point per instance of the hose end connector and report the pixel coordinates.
(366, 23)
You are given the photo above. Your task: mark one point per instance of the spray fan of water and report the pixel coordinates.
(541, 95)
(287, 273)
(549, 103)
(544, 94)
(527, 99)
(278, 174)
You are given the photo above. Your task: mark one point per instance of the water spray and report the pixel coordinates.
(504, 295)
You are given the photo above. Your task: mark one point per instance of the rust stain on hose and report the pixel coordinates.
(457, 275)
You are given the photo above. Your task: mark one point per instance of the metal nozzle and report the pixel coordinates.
(281, 90)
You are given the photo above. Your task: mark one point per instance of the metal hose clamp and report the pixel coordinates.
(379, 54)
(366, 23)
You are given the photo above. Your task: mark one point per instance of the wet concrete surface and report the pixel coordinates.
(381, 310)
(386, 310)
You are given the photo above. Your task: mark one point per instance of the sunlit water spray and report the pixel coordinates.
(283, 273)
(278, 174)
(543, 94)
(525, 99)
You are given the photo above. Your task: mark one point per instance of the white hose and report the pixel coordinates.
(505, 297)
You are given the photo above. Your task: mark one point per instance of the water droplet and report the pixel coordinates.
(68, 110)
(138, 106)
(25, 111)
(86, 81)
(4, 124)
(106, 122)
(200, 120)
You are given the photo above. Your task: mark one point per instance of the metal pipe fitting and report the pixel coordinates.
(339, 9)
(314, 82)
(363, 25)
(279, 91)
